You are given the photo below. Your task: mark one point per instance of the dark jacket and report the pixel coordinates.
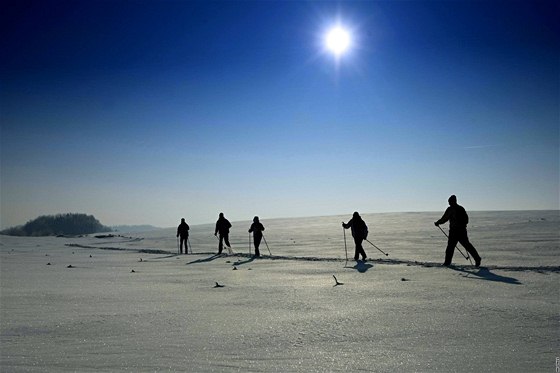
(457, 217)
(183, 230)
(358, 226)
(222, 226)
(257, 228)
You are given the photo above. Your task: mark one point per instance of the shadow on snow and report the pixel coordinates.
(205, 260)
(484, 273)
(362, 266)
(241, 262)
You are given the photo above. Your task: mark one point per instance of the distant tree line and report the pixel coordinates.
(56, 225)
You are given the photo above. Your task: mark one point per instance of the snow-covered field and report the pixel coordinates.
(141, 307)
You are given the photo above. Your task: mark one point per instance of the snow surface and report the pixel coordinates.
(283, 313)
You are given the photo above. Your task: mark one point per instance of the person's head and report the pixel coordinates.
(355, 215)
(452, 200)
(221, 214)
(182, 220)
(256, 219)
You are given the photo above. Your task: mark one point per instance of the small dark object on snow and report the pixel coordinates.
(336, 281)
(133, 271)
(404, 279)
(70, 266)
(218, 285)
(91, 256)
(235, 268)
(49, 263)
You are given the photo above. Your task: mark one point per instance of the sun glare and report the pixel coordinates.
(338, 40)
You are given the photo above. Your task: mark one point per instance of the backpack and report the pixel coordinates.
(361, 228)
(461, 216)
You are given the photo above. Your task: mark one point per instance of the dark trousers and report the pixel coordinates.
(183, 239)
(223, 238)
(257, 241)
(359, 249)
(459, 236)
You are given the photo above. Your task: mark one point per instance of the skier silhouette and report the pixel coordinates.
(458, 220)
(222, 226)
(359, 232)
(257, 228)
(183, 231)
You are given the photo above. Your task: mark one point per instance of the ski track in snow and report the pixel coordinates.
(538, 269)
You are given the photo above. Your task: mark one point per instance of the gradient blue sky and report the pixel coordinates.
(149, 111)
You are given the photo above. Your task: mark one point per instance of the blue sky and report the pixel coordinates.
(143, 112)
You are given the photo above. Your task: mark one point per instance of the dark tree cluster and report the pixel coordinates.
(58, 225)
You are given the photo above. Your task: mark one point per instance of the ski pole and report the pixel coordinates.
(218, 242)
(178, 247)
(376, 247)
(249, 243)
(464, 256)
(345, 248)
(267, 245)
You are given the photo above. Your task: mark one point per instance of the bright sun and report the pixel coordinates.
(338, 40)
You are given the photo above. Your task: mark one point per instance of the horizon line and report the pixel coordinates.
(361, 213)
